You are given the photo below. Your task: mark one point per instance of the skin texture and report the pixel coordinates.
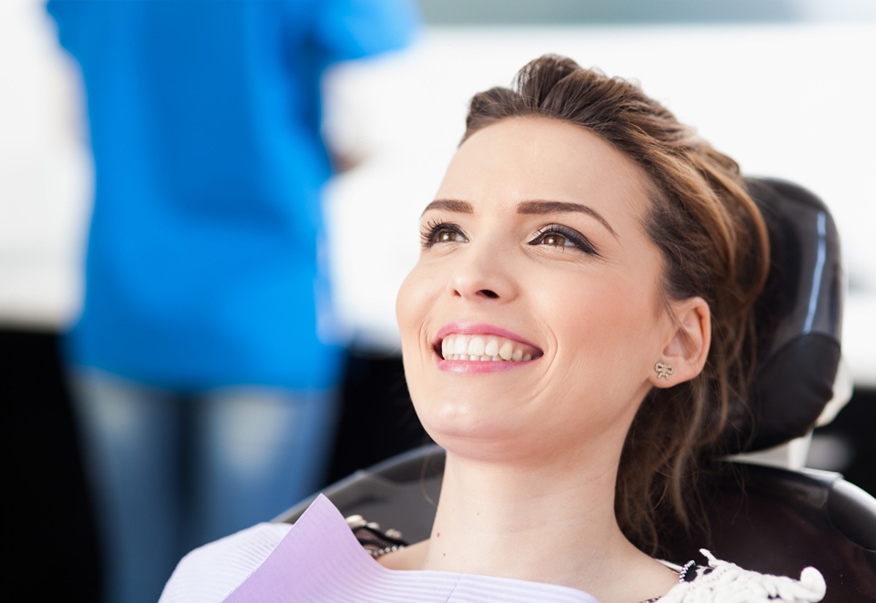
(535, 238)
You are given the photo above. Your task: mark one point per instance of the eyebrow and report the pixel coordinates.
(552, 207)
(526, 208)
(454, 205)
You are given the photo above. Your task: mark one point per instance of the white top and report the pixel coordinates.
(319, 560)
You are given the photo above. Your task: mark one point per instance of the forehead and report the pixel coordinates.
(525, 158)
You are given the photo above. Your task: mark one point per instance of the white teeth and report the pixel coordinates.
(476, 346)
(484, 349)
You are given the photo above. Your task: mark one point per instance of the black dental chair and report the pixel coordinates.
(770, 519)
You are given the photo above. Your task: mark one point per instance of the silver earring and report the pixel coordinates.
(663, 370)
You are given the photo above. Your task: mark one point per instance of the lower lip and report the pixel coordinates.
(478, 367)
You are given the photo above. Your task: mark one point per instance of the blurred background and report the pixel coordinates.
(783, 86)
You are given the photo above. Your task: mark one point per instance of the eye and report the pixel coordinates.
(437, 232)
(554, 239)
(556, 235)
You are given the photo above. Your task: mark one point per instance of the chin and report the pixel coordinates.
(472, 431)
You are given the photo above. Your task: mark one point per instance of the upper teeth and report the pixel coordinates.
(484, 348)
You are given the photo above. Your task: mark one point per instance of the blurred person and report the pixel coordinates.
(206, 356)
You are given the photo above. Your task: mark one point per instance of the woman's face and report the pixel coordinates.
(532, 321)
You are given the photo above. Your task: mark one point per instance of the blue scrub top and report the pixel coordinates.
(203, 266)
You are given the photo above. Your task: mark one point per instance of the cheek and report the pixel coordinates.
(408, 304)
(409, 315)
(402, 302)
(602, 367)
(413, 308)
(611, 326)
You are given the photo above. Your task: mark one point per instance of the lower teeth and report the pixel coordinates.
(474, 358)
(524, 358)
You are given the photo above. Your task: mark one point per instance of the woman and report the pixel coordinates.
(573, 335)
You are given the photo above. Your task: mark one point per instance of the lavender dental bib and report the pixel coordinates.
(320, 560)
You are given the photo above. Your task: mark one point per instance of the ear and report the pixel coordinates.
(687, 348)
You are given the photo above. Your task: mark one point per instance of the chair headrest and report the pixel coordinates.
(798, 316)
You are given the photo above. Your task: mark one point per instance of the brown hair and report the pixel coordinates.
(714, 245)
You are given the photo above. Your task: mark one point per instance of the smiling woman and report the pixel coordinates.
(542, 253)
(575, 335)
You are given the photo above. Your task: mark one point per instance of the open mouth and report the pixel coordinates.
(485, 348)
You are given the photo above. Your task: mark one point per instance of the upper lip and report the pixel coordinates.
(479, 329)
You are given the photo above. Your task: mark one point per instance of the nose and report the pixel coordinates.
(483, 273)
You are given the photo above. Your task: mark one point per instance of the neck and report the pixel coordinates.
(545, 522)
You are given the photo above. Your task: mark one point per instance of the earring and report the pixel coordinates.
(663, 370)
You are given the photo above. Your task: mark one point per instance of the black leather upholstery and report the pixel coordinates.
(799, 316)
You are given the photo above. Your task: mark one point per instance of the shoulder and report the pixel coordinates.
(727, 582)
(211, 572)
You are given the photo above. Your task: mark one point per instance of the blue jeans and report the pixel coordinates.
(170, 474)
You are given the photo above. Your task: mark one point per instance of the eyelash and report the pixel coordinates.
(429, 235)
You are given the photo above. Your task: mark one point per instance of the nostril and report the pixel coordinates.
(488, 293)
